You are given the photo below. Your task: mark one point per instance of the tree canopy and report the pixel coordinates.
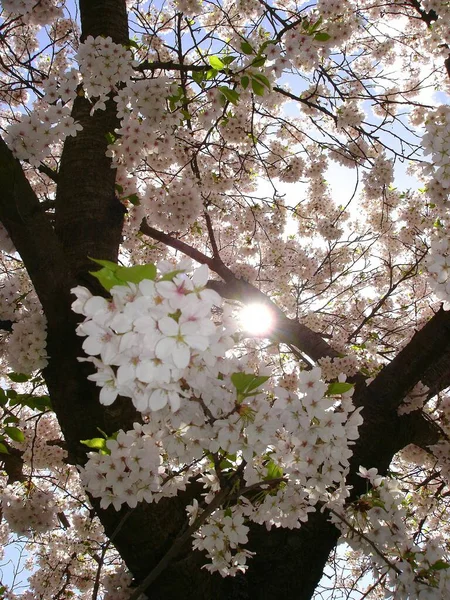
(162, 166)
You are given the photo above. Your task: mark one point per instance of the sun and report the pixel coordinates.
(256, 319)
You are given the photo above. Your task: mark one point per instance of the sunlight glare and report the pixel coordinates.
(256, 319)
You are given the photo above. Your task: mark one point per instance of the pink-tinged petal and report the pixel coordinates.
(202, 327)
(211, 297)
(107, 395)
(158, 400)
(109, 353)
(175, 401)
(168, 326)
(83, 295)
(200, 276)
(128, 340)
(96, 304)
(181, 356)
(166, 288)
(121, 323)
(164, 347)
(91, 328)
(145, 371)
(197, 341)
(147, 288)
(125, 373)
(92, 345)
(141, 403)
(194, 308)
(145, 324)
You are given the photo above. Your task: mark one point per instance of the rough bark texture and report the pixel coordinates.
(88, 223)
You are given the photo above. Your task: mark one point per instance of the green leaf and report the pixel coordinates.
(11, 394)
(198, 76)
(247, 382)
(15, 434)
(231, 95)
(132, 44)
(259, 61)
(105, 263)
(245, 81)
(170, 275)
(95, 443)
(19, 377)
(258, 88)
(11, 419)
(3, 397)
(439, 565)
(41, 403)
(137, 273)
(227, 60)
(3, 449)
(261, 79)
(211, 74)
(313, 27)
(322, 36)
(106, 278)
(110, 138)
(133, 199)
(119, 188)
(247, 48)
(338, 388)
(216, 63)
(273, 471)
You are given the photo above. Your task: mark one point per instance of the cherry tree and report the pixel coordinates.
(162, 166)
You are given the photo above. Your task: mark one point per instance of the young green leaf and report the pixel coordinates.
(216, 63)
(3, 449)
(261, 79)
(227, 60)
(198, 77)
(14, 433)
(247, 48)
(231, 95)
(322, 36)
(245, 81)
(211, 74)
(247, 382)
(107, 278)
(11, 419)
(19, 377)
(338, 388)
(439, 565)
(136, 274)
(259, 61)
(108, 264)
(258, 88)
(95, 443)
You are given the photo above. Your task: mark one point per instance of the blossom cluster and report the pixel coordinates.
(436, 141)
(438, 266)
(147, 335)
(222, 539)
(129, 471)
(27, 511)
(155, 342)
(378, 524)
(32, 137)
(39, 13)
(103, 66)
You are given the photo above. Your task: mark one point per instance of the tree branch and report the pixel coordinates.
(287, 331)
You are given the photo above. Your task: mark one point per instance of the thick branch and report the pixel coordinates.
(419, 359)
(32, 234)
